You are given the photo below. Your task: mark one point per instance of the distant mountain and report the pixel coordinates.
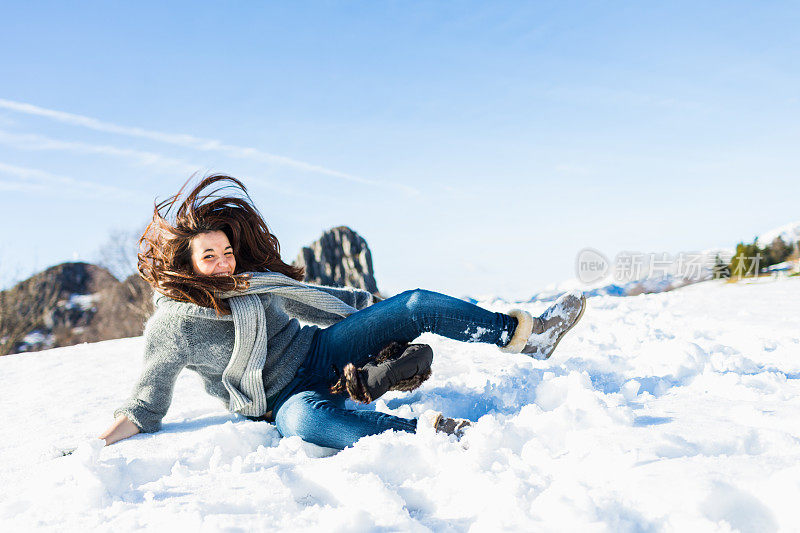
(790, 233)
(38, 311)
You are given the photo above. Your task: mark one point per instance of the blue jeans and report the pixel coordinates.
(307, 409)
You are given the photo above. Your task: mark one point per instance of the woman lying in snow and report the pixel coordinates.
(227, 307)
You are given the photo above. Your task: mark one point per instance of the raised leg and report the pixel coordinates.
(404, 317)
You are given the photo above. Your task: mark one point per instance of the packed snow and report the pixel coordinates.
(675, 411)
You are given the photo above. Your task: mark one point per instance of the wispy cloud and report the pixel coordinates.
(28, 141)
(596, 96)
(32, 141)
(190, 141)
(55, 183)
(20, 186)
(35, 180)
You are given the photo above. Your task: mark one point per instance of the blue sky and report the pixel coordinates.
(477, 146)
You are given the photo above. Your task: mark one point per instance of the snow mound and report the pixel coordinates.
(671, 411)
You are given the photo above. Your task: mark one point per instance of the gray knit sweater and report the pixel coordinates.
(245, 359)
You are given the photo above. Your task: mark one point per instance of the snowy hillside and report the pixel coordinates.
(675, 411)
(790, 233)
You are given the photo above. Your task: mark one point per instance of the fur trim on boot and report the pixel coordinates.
(398, 366)
(521, 334)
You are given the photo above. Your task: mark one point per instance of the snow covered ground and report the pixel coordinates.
(677, 411)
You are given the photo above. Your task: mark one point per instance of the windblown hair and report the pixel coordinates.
(164, 258)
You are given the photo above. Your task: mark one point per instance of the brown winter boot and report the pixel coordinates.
(443, 424)
(398, 366)
(539, 336)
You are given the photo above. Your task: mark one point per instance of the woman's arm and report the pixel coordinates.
(122, 428)
(166, 350)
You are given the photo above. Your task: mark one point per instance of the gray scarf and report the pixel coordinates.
(242, 376)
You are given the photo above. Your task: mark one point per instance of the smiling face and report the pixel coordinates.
(212, 254)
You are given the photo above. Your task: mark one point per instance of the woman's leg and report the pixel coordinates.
(312, 413)
(319, 417)
(404, 317)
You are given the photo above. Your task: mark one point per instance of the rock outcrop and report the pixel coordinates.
(340, 258)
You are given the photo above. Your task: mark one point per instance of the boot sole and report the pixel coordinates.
(577, 319)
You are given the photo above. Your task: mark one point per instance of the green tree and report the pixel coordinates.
(776, 252)
(747, 261)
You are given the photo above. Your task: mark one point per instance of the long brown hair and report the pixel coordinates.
(165, 259)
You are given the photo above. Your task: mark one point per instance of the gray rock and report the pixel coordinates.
(340, 258)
